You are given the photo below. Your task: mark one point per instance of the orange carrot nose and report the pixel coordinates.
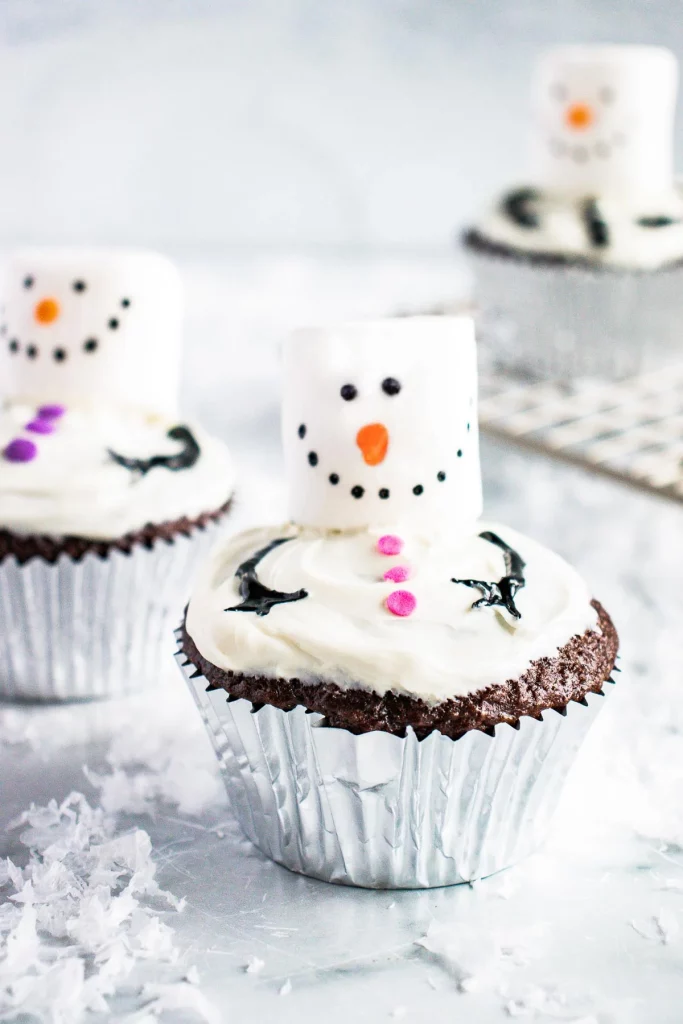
(579, 116)
(46, 311)
(373, 441)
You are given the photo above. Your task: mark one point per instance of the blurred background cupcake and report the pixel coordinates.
(106, 496)
(579, 270)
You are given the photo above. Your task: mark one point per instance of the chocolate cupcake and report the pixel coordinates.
(106, 496)
(579, 271)
(394, 688)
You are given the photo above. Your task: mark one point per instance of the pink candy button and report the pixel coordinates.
(401, 603)
(390, 544)
(399, 574)
(20, 450)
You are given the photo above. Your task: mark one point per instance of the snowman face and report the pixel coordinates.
(87, 326)
(604, 119)
(380, 425)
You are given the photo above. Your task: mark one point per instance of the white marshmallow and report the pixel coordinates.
(604, 118)
(88, 326)
(381, 456)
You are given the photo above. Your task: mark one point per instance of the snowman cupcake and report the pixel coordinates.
(107, 496)
(579, 270)
(394, 688)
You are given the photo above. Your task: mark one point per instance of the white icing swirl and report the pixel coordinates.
(74, 487)
(343, 633)
(561, 229)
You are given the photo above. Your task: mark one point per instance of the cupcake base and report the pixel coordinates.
(84, 618)
(384, 811)
(548, 317)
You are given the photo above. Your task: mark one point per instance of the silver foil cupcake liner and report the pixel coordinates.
(383, 812)
(96, 627)
(554, 321)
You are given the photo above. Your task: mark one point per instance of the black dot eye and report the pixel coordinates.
(78, 286)
(469, 425)
(418, 489)
(441, 476)
(32, 351)
(348, 392)
(334, 478)
(313, 458)
(59, 355)
(28, 282)
(113, 324)
(125, 303)
(14, 345)
(459, 453)
(302, 431)
(384, 493)
(390, 386)
(357, 491)
(90, 345)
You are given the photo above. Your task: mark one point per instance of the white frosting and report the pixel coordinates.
(604, 120)
(380, 425)
(91, 326)
(562, 230)
(74, 487)
(343, 633)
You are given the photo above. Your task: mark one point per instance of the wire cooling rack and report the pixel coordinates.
(631, 430)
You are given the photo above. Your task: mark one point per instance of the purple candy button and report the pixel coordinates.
(51, 412)
(20, 450)
(41, 426)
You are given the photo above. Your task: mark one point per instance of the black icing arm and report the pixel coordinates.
(521, 206)
(184, 459)
(256, 597)
(503, 591)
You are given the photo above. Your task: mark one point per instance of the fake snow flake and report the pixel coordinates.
(254, 965)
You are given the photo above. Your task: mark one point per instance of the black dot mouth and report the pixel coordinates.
(14, 345)
(334, 479)
(113, 324)
(90, 345)
(384, 493)
(302, 431)
(313, 458)
(59, 355)
(357, 491)
(32, 351)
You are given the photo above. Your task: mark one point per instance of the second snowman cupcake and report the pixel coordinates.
(106, 496)
(395, 690)
(579, 269)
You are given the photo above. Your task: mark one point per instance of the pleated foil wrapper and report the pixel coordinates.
(557, 322)
(96, 627)
(385, 812)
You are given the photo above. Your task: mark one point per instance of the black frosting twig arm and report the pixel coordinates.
(183, 459)
(256, 597)
(503, 592)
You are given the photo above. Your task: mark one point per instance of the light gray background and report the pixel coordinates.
(221, 123)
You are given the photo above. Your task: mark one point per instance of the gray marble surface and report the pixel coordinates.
(586, 931)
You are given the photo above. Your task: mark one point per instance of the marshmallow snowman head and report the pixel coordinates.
(604, 118)
(91, 326)
(380, 425)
